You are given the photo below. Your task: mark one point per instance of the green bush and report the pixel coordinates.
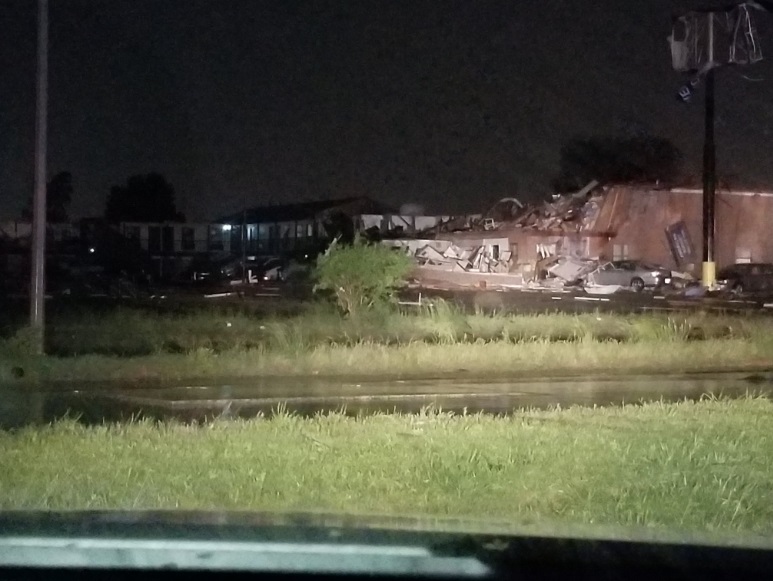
(24, 342)
(360, 275)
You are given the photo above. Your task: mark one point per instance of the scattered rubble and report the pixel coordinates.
(570, 269)
(457, 259)
(567, 213)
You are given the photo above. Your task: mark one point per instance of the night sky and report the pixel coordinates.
(449, 104)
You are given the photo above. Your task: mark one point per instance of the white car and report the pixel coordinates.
(632, 274)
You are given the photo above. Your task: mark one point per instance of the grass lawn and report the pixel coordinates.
(131, 344)
(705, 466)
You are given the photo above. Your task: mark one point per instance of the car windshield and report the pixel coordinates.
(437, 260)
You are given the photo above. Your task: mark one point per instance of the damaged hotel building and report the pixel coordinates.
(511, 243)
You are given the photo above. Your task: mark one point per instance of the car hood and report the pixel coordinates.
(367, 546)
(229, 526)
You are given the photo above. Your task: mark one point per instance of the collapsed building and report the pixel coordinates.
(514, 244)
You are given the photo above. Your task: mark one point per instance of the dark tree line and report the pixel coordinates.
(144, 198)
(640, 158)
(58, 198)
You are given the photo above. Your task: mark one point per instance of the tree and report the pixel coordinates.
(361, 275)
(639, 158)
(58, 197)
(144, 198)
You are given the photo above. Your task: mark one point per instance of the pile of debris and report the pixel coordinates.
(456, 259)
(558, 271)
(568, 213)
(463, 223)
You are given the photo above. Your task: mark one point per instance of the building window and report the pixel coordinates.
(252, 238)
(286, 235)
(273, 238)
(620, 252)
(300, 230)
(514, 252)
(262, 238)
(216, 237)
(167, 239)
(743, 255)
(188, 239)
(133, 233)
(154, 239)
(545, 250)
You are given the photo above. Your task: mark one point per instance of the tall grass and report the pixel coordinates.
(480, 359)
(130, 332)
(438, 338)
(688, 466)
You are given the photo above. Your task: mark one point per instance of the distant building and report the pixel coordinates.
(18, 232)
(167, 238)
(287, 228)
(170, 246)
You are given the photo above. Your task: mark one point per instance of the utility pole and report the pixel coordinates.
(245, 278)
(709, 185)
(694, 49)
(38, 246)
(708, 272)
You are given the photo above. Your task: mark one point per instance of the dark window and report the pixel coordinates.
(133, 233)
(154, 239)
(216, 238)
(236, 239)
(188, 239)
(168, 239)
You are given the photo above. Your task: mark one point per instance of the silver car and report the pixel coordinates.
(632, 274)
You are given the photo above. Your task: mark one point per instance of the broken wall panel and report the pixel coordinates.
(642, 215)
(680, 242)
(744, 222)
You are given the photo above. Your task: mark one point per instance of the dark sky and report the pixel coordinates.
(449, 104)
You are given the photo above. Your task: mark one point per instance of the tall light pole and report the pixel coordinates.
(709, 269)
(38, 250)
(697, 47)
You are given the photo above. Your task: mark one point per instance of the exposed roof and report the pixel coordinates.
(306, 210)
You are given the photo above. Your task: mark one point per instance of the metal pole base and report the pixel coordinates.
(709, 274)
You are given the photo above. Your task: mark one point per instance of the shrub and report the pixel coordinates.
(23, 343)
(360, 275)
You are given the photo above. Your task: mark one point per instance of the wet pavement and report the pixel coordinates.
(94, 404)
(568, 300)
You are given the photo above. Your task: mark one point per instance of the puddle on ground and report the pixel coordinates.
(195, 403)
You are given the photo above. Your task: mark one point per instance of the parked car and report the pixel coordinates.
(270, 269)
(631, 273)
(746, 278)
(213, 269)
